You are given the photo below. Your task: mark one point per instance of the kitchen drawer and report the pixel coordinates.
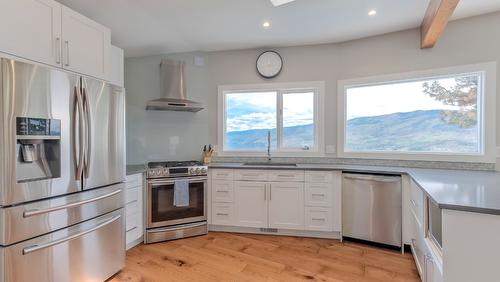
(132, 194)
(133, 181)
(223, 191)
(318, 219)
(222, 214)
(318, 194)
(286, 175)
(132, 208)
(132, 235)
(132, 221)
(418, 246)
(222, 174)
(417, 201)
(319, 176)
(75, 253)
(250, 175)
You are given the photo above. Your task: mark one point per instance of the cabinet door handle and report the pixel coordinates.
(265, 192)
(270, 192)
(58, 50)
(66, 42)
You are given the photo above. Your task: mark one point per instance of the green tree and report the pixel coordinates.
(463, 95)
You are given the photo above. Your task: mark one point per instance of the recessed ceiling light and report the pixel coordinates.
(277, 3)
(266, 24)
(372, 12)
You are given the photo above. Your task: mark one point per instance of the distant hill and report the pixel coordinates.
(410, 131)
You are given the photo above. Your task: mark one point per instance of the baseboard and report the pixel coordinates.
(134, 243)
(279, 232)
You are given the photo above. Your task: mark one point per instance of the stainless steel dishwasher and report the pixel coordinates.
(371, 208)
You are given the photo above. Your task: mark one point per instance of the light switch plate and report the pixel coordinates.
(330, 149)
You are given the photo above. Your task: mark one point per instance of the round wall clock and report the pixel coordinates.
(269, 64)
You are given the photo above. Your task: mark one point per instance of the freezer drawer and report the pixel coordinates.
(91, 251)
(30, 220)
(371, 208)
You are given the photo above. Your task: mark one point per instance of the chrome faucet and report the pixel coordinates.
(269, 145)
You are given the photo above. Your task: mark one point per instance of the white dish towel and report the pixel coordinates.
(181, 193)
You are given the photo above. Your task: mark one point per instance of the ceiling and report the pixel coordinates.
(150, 27)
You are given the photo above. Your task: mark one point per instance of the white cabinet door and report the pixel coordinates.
(86, 45)
(286, 205)
(250, 203)
(117, 67)
(31, 29)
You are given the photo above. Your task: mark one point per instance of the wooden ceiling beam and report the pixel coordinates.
(436, 18)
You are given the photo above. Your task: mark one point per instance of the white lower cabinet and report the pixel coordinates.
(223, 214)
(318, 219)
(286, 205)
(133, 210)
(278, 199)
(251, 204)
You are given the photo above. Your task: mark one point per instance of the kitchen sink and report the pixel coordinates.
(269, 164)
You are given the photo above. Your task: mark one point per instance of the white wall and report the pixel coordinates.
(467, 41)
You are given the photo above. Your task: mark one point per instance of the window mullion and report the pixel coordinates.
(279, 121)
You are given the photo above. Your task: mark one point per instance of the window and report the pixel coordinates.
(289, 113)
(417, 116)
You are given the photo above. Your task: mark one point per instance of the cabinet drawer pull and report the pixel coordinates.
(285, 175)
(226, 214)
(58, 50)
(318, 219)
(222, 191)
(319, 195)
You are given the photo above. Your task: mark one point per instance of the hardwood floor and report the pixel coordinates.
(247, 257)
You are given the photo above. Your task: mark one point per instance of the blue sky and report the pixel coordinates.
(245, 111)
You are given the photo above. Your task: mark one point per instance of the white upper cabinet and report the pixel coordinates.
(116, 76)
(31, 29)
(47, 32)
(86, 45)
(286, 205)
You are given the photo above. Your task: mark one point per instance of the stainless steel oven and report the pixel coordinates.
(161, 210)
(165, 220)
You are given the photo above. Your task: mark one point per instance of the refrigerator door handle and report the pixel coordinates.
(77, 116)
(34, 212)
(88, 129)
(35, 248)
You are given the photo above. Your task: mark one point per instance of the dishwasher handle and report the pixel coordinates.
(371, 177)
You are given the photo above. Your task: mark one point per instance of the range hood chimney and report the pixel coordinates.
(173, 90)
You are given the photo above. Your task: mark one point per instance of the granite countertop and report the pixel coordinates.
(465, 190)
(135, 169)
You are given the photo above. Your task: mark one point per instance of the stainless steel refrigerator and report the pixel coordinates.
(62, 168)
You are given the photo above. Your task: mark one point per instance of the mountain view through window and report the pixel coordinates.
(433, 115)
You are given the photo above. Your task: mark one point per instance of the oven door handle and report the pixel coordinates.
(171, 182)
(35, 248)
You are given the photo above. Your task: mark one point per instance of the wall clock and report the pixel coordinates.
(269, 64)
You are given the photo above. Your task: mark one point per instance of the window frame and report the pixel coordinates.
(486, 114)
(317, 87)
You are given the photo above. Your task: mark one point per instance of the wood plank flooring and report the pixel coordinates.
(246, 257)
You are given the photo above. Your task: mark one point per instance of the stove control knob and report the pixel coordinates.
(165, 171)
(152, 173)
(204, 171)
(192, 171)
(159, 172)
(198, 171)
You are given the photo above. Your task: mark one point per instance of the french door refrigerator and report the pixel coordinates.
(62, 168)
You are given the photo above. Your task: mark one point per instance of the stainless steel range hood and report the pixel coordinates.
(173, 90)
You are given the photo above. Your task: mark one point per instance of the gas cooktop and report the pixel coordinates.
(176, 169)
